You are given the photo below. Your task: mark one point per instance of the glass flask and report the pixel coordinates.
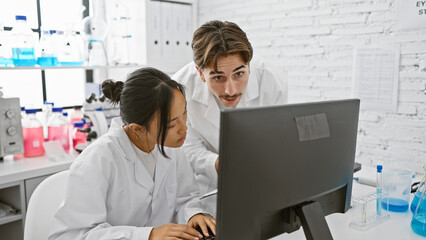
(418, 223)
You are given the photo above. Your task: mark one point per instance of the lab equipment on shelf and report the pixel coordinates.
(22, 43)
(58, 128)
(33, 134)
(70, 49)
(379, 189)
(367, 213)
(48, 51)
(10, 125)
(78, 136)
(5, 50)
(418, 223)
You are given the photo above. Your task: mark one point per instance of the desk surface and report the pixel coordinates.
(26, 168)
(398, 227)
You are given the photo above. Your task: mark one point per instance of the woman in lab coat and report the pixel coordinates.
(134, 182)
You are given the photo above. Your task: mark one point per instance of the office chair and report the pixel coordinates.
(43, 205)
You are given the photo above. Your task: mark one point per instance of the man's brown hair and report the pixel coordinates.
(215, 39)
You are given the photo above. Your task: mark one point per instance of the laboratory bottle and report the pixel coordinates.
(418, 193)
(418, 223)
(32, 131)
(58, 128)
(76, 115)
(97, 53)
(46, 114)
(70, 51)
(22, 43)
(69, 127)
(78, 136)
(5, 50)
(48, 52)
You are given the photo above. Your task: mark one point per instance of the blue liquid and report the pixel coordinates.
(415, 202)
(395, 205)
(23, 57)
(418, 224)
(71, 63)
(47, 61)
(5, 62)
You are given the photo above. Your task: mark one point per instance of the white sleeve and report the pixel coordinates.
(202, 160)
(187, 199)
(82, 214)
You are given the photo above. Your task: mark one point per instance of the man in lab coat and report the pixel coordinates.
(224, 74)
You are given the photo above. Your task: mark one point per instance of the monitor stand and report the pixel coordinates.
(313, 222)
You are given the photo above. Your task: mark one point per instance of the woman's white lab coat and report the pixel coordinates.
(266, 86)
(110, 194)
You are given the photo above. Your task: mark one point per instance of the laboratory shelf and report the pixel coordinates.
(10, 218)
(72, 67)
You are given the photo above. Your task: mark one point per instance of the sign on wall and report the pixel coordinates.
(376, 76)
(411, 14)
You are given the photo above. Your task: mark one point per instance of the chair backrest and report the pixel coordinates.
(43, 205)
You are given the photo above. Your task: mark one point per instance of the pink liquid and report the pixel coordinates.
(33, 141)
(60, 134)
(79, 137)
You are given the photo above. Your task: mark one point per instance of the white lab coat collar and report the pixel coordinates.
(203, 95)
(145, 180)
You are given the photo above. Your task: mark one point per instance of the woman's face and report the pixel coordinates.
(176, 130)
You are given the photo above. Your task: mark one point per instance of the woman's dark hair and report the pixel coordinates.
(145, 92)
(216, 39)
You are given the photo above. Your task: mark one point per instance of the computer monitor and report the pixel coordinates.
(285, 166)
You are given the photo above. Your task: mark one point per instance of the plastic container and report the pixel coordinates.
(418, 223)
(32, 131)
(23, 42)
(58, 128)
(46, 114)
(77, 136)
(76, 115)
(48, 52)
(70, 50)
(5, 50)
(397, 184)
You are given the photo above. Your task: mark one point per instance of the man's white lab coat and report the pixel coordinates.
(266, 86)
(111, 195)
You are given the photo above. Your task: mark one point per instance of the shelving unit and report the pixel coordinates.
(13, 194)
(18, 180)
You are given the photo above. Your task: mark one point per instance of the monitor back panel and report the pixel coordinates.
(272, 158)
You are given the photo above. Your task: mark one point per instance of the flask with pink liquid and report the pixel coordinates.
(32, 131)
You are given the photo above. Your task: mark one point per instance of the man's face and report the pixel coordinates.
(229, 81)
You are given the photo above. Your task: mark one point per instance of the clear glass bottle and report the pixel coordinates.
(58, 128)
(418, 223)
(70, 52)
(23, 42)
(5, 50)
(32, 131)
(48, 52)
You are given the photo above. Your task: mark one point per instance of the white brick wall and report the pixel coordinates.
(313, 41)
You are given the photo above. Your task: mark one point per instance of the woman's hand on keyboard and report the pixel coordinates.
(203, 222)
(174, 231)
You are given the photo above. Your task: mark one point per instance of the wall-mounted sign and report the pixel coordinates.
(411, 14)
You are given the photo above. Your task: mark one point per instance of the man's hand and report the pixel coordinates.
(203, 222)
(217, 165)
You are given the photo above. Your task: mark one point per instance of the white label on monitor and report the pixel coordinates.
(312, 127)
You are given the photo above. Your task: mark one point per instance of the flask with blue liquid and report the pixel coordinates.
(23, 42)
(48, 52)
(418, 207)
